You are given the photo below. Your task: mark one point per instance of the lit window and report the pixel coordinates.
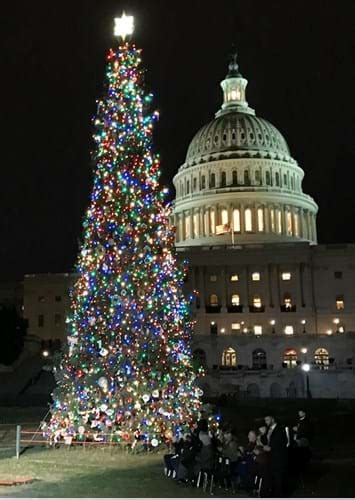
(213, 300)
(339, 303)
(234, 277)
(289, 223)
(187, 227)
(258, 329)
(290, 358)
(235, 326)
(236, 219)
(286, 276)
(40, 320)
(248, 220)
(255, 277)
(288, 302)
(57, 319)
(260, 219)
(257, 301)
(206, 221)
(235, 299)
(321, 358)
(213, 221)
(278, 221)
(296, 221)
(272, 219)
(224, 216)
(229, 357)
(213, 277)
(196, 225)
(289, 330)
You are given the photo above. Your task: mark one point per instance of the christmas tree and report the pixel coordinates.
(127, 369)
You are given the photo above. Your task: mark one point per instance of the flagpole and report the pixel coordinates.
(232, 230)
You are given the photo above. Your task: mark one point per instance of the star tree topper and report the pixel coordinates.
(124, 26)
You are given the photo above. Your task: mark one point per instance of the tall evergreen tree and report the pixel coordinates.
(127, 370)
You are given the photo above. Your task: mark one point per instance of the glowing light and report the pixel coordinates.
(124, 26)
(306, 367)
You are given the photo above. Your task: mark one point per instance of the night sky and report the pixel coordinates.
(299, 60)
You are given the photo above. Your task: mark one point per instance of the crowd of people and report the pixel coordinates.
(270, 463)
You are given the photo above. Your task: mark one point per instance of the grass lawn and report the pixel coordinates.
(90, 473)
(102, 472)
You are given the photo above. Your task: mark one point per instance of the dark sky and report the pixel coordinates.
(298, 57)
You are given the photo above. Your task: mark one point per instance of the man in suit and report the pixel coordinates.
(277, 457)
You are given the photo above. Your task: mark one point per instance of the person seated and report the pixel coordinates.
(230, 454)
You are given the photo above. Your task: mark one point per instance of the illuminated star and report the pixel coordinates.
(124, 26)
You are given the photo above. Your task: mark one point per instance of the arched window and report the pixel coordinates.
(187, 187)
(267, 178)
(199, 357)
(182, 192)
(203, 182)
(212, 221)
(277, 179)
(290, 358)
(248, 219)
(213, 180)
(235, 299)
(234, 178)
(229, 357)
(260, 219)
(257, 177)
(236, 220)
(213, 300)
(259, 359)
(246, 178)
(195, 183)
(321, 358)
(187, 227)
(224, 216)
(223, 179)
(292, 183)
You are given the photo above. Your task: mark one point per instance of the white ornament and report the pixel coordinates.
(146, 398)
(103, 407)
(103, 352)
(155, 393)
(102, 382)
(81, 429)
(154, 442)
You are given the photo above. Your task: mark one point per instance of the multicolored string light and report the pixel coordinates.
(127, 371)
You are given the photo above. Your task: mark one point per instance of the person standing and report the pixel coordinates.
(276, 449)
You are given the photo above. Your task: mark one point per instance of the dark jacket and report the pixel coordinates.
(278, 445)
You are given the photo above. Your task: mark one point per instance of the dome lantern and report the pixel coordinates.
(234, 86)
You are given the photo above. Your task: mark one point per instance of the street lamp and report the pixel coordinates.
(306, 368)
(272, 323)
(336, 322)
(303, 323)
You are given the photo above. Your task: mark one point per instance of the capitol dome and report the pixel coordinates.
(239, 183)
(236, 132)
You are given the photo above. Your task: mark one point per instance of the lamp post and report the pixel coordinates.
(306, 368)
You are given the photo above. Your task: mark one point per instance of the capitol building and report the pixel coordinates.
(274, 311)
